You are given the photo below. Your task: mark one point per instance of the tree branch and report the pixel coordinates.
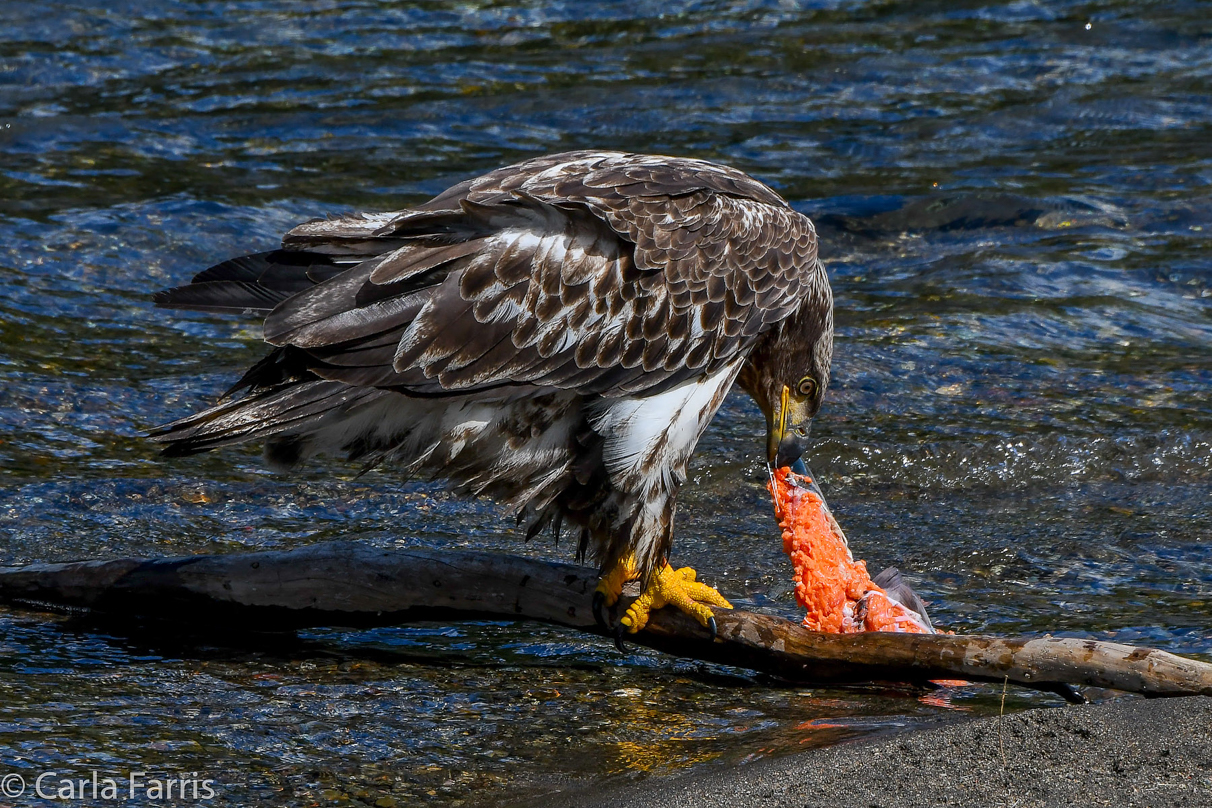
(352, 584)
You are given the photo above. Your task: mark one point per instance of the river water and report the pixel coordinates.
(1013, 200)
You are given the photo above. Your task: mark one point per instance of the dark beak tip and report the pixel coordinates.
(789, 452)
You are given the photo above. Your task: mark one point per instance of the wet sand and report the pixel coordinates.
(1155, 753)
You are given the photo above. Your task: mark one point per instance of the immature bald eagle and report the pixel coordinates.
(556, 334)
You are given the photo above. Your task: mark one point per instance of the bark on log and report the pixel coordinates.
(352, 584)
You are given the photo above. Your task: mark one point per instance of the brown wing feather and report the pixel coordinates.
(604, 272)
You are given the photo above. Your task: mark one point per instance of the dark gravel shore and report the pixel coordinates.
(1128, 753)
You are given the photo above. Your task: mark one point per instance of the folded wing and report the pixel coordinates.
(605, 273)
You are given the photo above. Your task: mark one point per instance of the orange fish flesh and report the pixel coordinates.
(835, 590)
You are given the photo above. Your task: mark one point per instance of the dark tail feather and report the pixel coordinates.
(256, 283)
(234, 297)
(262, 414)
(278, 368)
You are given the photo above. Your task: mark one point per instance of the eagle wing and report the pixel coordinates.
(607, 273)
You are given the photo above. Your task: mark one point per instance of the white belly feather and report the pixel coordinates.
(649, 442)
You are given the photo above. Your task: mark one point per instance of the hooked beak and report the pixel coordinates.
(788, 431)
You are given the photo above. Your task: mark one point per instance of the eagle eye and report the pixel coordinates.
(807, 387)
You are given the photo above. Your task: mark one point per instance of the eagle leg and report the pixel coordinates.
(610, 587)
(678, 588)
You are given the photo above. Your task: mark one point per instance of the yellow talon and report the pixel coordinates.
(610, 586)
(670, 587)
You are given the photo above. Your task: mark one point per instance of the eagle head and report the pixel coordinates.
(787, 373)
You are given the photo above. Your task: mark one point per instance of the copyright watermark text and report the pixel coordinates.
(101, 786)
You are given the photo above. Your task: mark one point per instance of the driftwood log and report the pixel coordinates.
(352, 584)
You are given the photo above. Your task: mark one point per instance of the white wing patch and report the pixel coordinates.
(657, 432)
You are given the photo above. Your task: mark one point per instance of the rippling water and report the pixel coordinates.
(1014, 205)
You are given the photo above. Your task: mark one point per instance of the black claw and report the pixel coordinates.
(599, 602)
(711, 627)
(619, 629)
